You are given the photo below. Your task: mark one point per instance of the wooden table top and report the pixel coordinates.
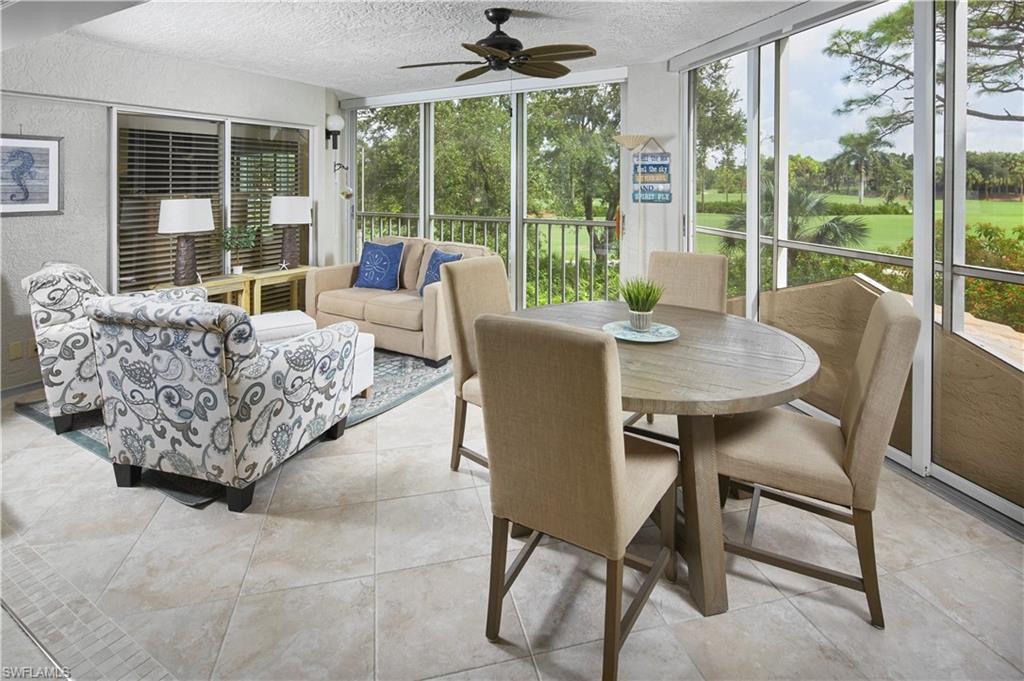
(720, 364)
(298, 271)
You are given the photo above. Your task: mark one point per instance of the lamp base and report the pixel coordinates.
(185, 261)
(290, 247)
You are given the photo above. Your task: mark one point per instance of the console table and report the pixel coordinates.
(266, 277)
(234, 287)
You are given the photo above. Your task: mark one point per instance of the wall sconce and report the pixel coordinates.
(335, 124)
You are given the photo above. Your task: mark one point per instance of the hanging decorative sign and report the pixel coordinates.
(652, 177)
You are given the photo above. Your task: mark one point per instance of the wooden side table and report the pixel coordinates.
(235, 287)
(266, 277)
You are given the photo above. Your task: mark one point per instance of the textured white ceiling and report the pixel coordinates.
(355, 47)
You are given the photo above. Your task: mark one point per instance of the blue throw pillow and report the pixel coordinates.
(380, 265)
(437, 258)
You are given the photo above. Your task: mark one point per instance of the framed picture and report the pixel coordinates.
(31, 176)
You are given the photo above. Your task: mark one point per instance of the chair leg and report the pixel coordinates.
(239, 498)
(437, 363)
(667, 508)
(337, 430)
(612, 620)
(650, 418)
(127, 475)
(459, 432)
(63, 423)
(755, 500)
(496, 593)
(723, 489)
(865, 535)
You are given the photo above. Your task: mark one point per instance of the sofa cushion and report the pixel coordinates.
(433, 272)
(348, 302)
(380, 266)
(402, 309)
(467, 251)
(411, 258)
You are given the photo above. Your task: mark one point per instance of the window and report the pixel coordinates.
(387, 178)
(161, 157)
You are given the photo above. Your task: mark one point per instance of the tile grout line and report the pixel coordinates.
(241, 584)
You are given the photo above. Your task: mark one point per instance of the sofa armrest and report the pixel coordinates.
(287, 395)
(328, 279)
(435, 324)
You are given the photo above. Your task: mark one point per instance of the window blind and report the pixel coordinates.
(164, 158)
(266, 162)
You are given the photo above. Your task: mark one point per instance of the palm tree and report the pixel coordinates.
(862, 151)
(810, 220)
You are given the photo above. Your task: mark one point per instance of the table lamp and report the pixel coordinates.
(185, 217)
(290, 211)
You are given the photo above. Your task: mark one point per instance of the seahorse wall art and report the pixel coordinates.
(23, 169)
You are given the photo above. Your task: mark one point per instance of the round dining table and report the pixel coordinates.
(720, 364)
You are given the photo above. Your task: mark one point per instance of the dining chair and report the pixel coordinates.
(470, 287)
(779, 453)
(698, 280)
(561, 465)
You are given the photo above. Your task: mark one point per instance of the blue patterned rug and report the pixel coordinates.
(396, 379)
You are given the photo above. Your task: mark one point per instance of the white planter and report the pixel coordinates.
(640, 321)
(237, 269)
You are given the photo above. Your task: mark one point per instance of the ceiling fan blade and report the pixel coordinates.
(473, 73)
(438, 63)
(557, 52)
(540, 70)
(484, 51)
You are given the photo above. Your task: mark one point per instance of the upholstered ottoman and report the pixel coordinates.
(272, 327)
(362, 378)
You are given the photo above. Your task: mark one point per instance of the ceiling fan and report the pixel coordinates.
(501, 51)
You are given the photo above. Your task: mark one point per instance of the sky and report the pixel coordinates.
(816, 90)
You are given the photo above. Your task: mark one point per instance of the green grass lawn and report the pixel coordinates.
(891, 230)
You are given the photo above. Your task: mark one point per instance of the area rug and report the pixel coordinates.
(397, 379)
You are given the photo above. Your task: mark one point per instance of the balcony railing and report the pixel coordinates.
(564, 260)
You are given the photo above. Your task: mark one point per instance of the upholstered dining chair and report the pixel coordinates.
(470, 287)
(188, 389)
(560, 463)
(787, 453)
(697, 280)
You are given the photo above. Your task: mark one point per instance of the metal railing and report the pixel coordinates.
(565, 260)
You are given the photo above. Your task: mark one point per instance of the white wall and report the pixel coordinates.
(651, 107)
(88, 76)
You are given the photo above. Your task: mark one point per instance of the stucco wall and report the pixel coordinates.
(76, 68)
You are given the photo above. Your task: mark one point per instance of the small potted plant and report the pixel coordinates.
(641, 295)
(237, 239)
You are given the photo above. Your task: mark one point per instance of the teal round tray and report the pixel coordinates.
(659, 333)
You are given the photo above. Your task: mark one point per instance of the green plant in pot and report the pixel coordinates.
(641, 295)
(239, 239)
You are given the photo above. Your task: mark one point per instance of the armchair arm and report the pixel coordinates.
(436, 344)
(178, 294)
(288, 394)
(328, 279)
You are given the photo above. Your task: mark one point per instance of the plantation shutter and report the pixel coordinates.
(160, 157)
(266, 162)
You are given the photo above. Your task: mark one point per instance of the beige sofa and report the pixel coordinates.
(400, 320)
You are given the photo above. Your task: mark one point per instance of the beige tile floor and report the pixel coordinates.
(366, 558)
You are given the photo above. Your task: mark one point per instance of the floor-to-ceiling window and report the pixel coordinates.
(386, 180)
(531, 174)
(571, 246)
(472, 172)
(721, 166)
(838, 151)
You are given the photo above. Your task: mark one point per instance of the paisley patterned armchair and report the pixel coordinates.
(67, 363)
(188, 389)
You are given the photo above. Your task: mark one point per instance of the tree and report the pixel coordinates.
(880, 59)
(720, 121)
(810, 219)
(861, 151)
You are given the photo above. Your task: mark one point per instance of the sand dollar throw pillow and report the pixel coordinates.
(380, 265)
(437, 258)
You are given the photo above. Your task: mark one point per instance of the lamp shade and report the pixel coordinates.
(335, 123)
(291, 210)
(181, 216)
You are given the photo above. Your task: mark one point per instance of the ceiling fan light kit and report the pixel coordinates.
(500, 52)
